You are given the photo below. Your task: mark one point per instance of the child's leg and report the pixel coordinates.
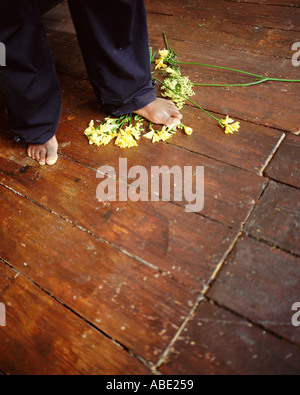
(28, 81)
(114, 41)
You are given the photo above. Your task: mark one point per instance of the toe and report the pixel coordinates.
(35, 154)
(172, 121)
(176, 114)
(42, 160)
(51, 158)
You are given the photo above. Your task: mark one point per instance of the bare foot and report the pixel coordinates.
(161, 111)
(44, 154)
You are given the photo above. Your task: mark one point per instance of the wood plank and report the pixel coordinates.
(185, 245)
(221, 11)
(262, 284)
(216, 341)
(42, 337)
(285, 165)
(249, 149)
(60, 13)
(131, 302)
(266, 15)
(256, 39)
(229, 192)
(289, 3)
(7, 277)
(276, 218)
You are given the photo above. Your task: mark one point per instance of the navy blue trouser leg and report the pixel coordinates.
(28, 81)
(114, 41)
(113, 38)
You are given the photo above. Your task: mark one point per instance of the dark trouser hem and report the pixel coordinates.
(138, 101)
(42, 137)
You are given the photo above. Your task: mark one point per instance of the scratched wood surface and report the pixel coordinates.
(145, 287)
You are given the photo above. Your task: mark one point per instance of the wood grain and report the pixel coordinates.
(277, 216)
(285, 165)
(217, 342)
(42, 337)
(185, 245)
(120, 295)
(263, 284)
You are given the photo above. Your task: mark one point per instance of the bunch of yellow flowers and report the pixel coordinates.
(127, 131)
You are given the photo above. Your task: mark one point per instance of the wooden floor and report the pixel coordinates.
(146, 288)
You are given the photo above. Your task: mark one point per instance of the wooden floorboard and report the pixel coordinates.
(43, 348)
(218, 342)
(146, 288)
(164, 238)
(257, 268)
(125, 298)
(276, 217)
(240, 13)
(285, 166)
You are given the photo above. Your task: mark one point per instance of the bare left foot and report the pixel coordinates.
(162, 112)
(44, 154)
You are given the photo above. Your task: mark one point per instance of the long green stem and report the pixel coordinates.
(233, 85)
(282, 80)
(237, 71)
(166, 41)
(219, 67)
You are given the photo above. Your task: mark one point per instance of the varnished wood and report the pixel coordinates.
(276, 217)
(78, 275)
(120, 295)
(42, 337)
(285, 166)
(257, 267)
(218, 342)
(166, 236)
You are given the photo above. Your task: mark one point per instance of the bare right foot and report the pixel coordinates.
(44, 154)
(161, 111)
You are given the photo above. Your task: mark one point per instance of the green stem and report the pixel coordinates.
(282, 80)
(234, 85)
(220, 67)
(238, 71)
(191, 101)
(166, 41)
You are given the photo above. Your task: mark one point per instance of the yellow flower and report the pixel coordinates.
(230, 126)
(188, 130)
(90, 129)
(150, 134)
(160, 135)
(160, 64)
(125, 139)
(107, 139)
(164, 53)
(172, 71)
